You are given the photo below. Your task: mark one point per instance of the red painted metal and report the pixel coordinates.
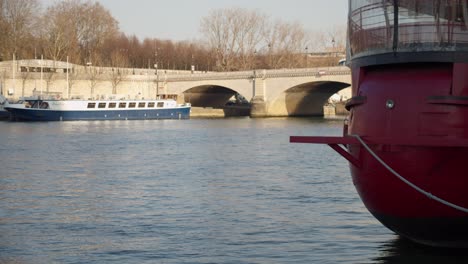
(410, 107)
(334, 142)
(423, 137)
(323, 140)
(425, 142)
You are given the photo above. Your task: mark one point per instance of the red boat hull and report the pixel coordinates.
(417, 115)
(407, 134)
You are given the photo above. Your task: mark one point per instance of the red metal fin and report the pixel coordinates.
(324, 140)
(334, 143)
(343, 152)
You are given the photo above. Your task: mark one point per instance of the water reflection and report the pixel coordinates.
(401, 250)
(197, 191)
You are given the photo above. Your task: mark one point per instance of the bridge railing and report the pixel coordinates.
(260, 73)
(320, 71)
(84, 72)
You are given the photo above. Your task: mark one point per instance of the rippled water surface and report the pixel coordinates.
(186, 191)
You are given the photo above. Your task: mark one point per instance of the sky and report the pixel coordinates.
(180, 19)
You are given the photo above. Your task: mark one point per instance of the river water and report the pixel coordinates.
(187, 191)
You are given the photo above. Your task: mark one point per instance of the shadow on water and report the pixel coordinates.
(401, 250)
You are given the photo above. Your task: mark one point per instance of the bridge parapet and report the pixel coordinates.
(209, 76)
(281, 73)
(103, 73)
(264, 74)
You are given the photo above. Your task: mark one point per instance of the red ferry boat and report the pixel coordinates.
(406, 136)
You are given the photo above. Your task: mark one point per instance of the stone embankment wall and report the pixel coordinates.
(32, 77)
(336, 109)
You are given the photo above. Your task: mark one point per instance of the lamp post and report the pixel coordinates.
(42, 71)
(88, 65)
(306, 57)
(334, 52)
(192, 66)
(157, 74)
(269, 57)
(334, 49)
(157, 80)
(254, 64)
(68, 81)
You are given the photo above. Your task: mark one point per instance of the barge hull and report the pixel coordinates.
(28, 114)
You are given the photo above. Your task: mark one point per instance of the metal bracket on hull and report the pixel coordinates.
(336, 143)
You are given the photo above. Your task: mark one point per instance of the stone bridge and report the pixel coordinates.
(282, 92)
(296, 92)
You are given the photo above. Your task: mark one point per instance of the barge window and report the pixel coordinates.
(160, 104)
(102, 105)
(91, 105)
(132, 105)
(150, 104)
(44, 105)
(112, 105)
(122, 105)
(141, 105)
(35, 104)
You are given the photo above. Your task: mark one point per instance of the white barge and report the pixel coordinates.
(69, 110)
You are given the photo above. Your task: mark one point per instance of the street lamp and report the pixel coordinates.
(254, 64)
(306, 56)
(269, 57)
(333, 44)
(192, 68)
(334, 52)
(157, 80)
(88, 64)
(157, 74)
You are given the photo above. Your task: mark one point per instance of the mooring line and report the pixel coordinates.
(412, 185)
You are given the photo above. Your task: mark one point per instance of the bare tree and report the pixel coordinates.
(234, 34)
(241, 39)
(116, 78)
(72, 78)
(337, 43)
(118, 61)
(98, 26)
(93, 79)
(77, 28)
(60, 39)
(251, 39)
(337, 38)
(49, 79)
(3, 75)
(25, 76)
(285, 42)
(234, 39)
(17, 18)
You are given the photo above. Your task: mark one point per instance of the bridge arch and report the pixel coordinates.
(270, 92)
(305, 99)
(209, 95)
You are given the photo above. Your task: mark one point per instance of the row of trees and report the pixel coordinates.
(87, 33)
(71, 28)
(245, 39)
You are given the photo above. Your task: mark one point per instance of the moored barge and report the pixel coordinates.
(406, 137)
(72, 110)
